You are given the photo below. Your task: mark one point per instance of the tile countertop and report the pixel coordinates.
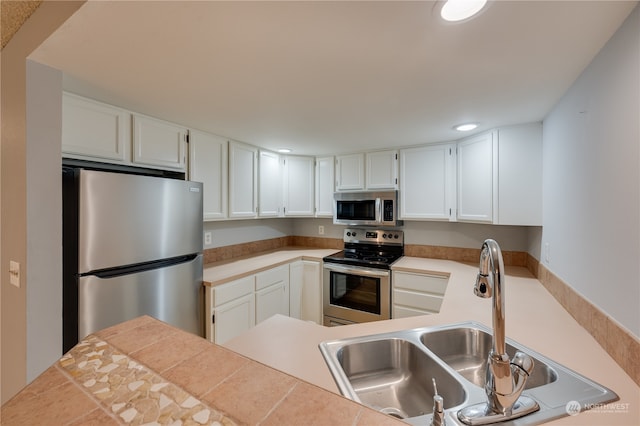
(144, 371)
(533, 318)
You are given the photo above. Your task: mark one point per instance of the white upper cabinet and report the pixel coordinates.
(427, 182)
(382, 170)
(208, 164)
(158, 143)
(269, 184)
(477, 187)
(299, 197)
(520, 175)
(243, 180)
(350, 172)
(324, 186)
(95, 130)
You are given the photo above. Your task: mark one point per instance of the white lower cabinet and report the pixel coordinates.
(305, 291)
(272, 293)
(231, 307)
(417, 294)
(238, 305)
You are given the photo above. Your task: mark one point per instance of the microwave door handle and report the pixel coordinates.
(378, 210)
(357, 271)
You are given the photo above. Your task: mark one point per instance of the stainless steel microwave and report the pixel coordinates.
(366, 208)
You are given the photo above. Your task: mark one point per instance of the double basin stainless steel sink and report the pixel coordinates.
(394, 372)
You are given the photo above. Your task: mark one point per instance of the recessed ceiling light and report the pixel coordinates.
(459, 10)
(284, 150)
(465, 127)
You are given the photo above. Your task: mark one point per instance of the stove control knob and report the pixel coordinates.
(396, 236)
(354, 233)
(385, 235)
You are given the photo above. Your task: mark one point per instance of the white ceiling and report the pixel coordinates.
(330, 77)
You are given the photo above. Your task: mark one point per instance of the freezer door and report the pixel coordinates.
(127, 219)
(172, 294)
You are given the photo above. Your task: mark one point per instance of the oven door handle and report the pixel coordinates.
(357, 271)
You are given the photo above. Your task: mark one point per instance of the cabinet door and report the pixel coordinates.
(272, 300)
(311, 301)
(208, 164)
(269, 184)
(520, 175)
(233, 318)
(476, 180)
(158, 143)
(382, 170)
(426, 182)
(350, 172)
(272, 293)
(324, 186)
(243, 180)
(93, 129)
(296, 283)
(299, 181)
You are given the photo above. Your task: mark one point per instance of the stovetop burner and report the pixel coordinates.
(371, 248)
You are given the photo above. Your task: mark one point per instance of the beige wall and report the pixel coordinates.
(13, 184)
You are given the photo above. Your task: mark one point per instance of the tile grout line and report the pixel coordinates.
(277, 404)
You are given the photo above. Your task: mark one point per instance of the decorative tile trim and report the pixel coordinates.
(614, 338)
(131, 392)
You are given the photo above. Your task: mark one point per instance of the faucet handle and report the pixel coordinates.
(438, 407)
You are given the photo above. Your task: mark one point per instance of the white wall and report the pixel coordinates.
(44, 194)
(591, 196)
(229, 232)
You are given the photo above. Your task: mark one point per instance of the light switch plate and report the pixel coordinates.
(14, 273)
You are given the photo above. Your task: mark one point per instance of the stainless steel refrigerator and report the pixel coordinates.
(132, 245)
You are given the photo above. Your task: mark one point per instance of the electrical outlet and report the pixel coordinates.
(14, 273)
(547, 252)
(207, 238)
(321, 230)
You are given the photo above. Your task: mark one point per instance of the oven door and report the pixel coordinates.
(356, 294)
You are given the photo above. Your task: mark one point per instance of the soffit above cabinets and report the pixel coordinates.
(330, 77)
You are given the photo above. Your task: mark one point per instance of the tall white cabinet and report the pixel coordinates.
(208, 164)
(476, 177)
(325, 186)
(243, 180)
(427, 182)
(299, 199)
(269, 184)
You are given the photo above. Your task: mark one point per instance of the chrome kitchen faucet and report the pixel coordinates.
(505, 379)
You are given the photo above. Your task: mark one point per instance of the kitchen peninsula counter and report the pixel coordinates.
(533, 318)
(144, 371)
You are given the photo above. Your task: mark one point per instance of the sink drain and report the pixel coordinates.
(394, 412)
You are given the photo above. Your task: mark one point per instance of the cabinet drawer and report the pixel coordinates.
(424, 302)
(434, 284)
(272, 276)
(404, 312)
(232, 290)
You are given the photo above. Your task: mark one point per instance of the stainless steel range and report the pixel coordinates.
(357, 280)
